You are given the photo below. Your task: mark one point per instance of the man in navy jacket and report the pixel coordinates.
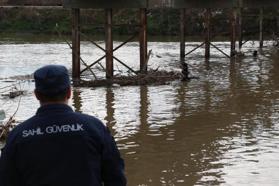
(58, 147)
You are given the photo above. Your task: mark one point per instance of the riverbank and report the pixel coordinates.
(17, 38)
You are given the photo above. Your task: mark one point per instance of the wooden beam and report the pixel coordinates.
(182, 33)
(76, 44)
(32, 7)
(207, 32)
(31, 2)
(109, 44)
(240, 29)
(233, 31)
(261, 38)
(143, 40)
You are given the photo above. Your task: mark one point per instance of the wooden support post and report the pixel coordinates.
(277, 24)
(144, 105)
(110, 107)
(261, 28)
(208, 32)
(77, 103)
(109, 44)
(143, 40)
(76, 44)
(240, 29)
(182, 33)
(233, 31)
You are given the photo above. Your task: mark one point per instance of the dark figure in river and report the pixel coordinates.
(185, 71)
(57, 146)
(255, 53)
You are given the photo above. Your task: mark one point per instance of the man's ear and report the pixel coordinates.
(36, 95)
(69, 93)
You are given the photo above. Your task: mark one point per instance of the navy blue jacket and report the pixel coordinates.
(58, 147)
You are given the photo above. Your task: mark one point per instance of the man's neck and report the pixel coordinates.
(53, 102)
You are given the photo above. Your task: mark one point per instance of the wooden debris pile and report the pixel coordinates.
(6, 127)
(153, 77)
(28, 77)
(13, 94)
(11, 91)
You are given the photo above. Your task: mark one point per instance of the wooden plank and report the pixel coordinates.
(192, 3)
(30, 2)
(105, 4)
(150, 3)
(33, 7)
(102, 4)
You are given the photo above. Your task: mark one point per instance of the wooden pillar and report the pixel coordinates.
(240, 29)
(110, 107)
(77, 103)
(143, 40)
(277, 24)
(144, 106)
(109, 44)
(261, 39)
(208, 32)
(182, 33)
(233, 31)
(76, 44)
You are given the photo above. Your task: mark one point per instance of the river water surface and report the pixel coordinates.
(220, 129)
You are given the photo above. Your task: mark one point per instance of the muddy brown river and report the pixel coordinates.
(220, 129)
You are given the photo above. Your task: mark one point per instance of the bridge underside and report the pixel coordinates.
(101, 4)
(31, 2)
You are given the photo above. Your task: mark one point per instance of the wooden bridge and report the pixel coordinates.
(235, 6)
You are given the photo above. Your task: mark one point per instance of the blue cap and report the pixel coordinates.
(52, 79)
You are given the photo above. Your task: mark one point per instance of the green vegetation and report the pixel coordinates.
(33, 21)
(160, 22)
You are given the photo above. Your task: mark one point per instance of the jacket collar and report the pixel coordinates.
(54, 108)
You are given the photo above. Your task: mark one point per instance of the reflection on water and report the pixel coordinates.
(220, 129)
